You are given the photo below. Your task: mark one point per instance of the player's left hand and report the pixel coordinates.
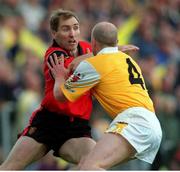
(56, 66)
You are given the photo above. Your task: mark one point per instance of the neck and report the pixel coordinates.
(74, 53)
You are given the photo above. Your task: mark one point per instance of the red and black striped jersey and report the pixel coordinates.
(80, 108)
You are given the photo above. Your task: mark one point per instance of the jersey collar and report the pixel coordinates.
(80, 50)
(108, 50)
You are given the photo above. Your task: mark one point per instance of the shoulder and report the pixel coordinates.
(84, 45)
(87, 71)
(57, 50)
(96, 58)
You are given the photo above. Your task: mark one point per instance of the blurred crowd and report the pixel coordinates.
(153, 26)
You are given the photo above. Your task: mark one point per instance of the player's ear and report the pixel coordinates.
(53, 33)
(93, 42)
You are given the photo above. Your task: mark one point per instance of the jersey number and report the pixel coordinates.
(132, 69)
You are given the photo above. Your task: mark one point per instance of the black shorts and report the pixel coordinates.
(54, 129)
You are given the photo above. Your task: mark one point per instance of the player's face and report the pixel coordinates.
(68, 33)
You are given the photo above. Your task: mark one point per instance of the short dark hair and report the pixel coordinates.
(56, 15)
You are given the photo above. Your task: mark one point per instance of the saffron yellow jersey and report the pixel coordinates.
(113, 78)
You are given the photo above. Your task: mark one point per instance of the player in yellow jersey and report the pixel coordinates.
(117, 83)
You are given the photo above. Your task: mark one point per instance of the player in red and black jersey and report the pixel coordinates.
(82, 107)
(61, 127)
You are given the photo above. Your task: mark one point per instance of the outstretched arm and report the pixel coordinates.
(128, 48)
(124, 48)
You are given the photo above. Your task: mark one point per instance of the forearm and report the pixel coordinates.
(58, 94)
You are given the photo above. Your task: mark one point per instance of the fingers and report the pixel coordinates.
(88, 51)
(50, 63)
(135, 48)
(56, 66)
(62, 60)
(132, 47)
(54, 61)
(49, 66)
(55, 58)
(128, 48)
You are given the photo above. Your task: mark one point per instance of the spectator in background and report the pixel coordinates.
(33, 13)
(7, 81)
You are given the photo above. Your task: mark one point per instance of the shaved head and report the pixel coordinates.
(105, 33)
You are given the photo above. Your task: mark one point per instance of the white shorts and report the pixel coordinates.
(142, 130)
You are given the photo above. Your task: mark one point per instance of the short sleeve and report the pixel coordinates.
(82, 80)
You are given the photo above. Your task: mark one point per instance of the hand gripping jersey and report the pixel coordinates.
(114, 79)
(82, 107)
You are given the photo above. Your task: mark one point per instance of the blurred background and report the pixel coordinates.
(153, 26)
